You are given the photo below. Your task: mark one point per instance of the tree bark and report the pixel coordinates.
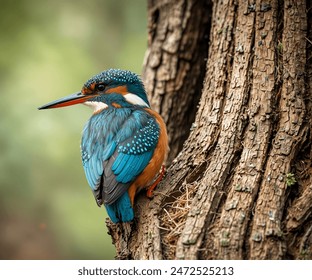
(241, 187)
(175, 61)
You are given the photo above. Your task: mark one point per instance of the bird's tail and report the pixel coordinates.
(121, 210)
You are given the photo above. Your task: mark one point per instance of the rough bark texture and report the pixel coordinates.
(241, 186)
(174, 64)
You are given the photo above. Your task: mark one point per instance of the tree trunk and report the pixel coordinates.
(174, 65)
(241, 186)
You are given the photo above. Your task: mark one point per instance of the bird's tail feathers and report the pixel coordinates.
(121, 210)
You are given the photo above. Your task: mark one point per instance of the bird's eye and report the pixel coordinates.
(100, 87)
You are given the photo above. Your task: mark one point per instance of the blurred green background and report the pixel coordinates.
(48, 50)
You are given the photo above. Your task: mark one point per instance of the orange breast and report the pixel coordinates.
(159, 156)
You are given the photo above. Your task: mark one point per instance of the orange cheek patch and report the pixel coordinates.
(120, 89)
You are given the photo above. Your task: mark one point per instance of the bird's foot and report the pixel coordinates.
(151, 188)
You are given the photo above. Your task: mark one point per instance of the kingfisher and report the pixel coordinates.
(124, 144)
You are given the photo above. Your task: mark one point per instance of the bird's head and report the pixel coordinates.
(113, 87)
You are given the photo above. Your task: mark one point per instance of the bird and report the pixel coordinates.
(124, 144)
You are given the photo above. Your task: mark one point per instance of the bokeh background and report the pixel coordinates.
(48, 49)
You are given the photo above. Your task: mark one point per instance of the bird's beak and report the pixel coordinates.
(72, 99)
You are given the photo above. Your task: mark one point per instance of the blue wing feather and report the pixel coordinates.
(130, 161)
(93, 164)
(132, 166)
(119, 164)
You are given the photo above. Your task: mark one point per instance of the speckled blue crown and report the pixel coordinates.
(114, 75)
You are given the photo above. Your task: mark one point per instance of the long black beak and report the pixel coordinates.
(69, 100)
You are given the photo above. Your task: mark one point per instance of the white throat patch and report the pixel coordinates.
(96, 106)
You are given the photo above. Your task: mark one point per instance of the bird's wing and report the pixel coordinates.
(112, 167)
